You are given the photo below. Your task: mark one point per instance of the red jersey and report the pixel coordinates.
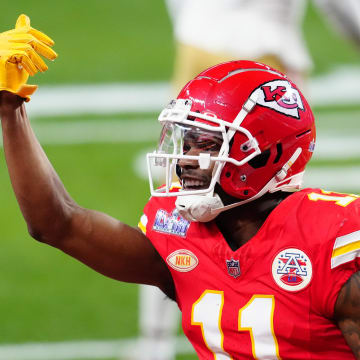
(273, 297)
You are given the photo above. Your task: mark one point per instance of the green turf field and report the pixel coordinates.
(45, 296)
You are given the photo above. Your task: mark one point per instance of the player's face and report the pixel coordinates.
(196, 141)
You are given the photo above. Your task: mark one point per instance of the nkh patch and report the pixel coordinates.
(233, 268)
(182, 260)
(280, 96)
(292, 269)
(171, 223)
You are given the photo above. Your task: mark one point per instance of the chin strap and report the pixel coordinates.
(199, 207)
(204, 208)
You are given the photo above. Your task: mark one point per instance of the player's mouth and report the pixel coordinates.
(191, 183)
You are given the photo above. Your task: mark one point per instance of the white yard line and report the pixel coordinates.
(99, 99)
(338, 87)
(343, 179)
(337, 146)
(98, 131)
(71, 350)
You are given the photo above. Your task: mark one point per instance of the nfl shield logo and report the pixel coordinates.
(233, 268)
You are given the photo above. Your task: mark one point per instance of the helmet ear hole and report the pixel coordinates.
(279, 150)
(260, 160)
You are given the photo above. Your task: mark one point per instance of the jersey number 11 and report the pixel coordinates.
(256, 317)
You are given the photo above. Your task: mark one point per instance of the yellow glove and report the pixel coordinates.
(19, 49)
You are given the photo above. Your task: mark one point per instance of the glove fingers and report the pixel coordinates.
(18, 46)
(19, 38)
(44, 50)
(41, 37)
(40, 47)
(36, 60)
(6, 34)
(24, 61)
(20, 49)
(31, 53)
(22, 33)
(22, 21)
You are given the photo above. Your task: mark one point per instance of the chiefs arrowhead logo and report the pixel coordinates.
(280, 96)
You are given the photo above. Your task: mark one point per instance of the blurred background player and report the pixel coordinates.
(344, 15)
(208, 32)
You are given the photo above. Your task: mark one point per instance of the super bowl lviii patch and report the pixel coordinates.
(292, 269)
(171, 223)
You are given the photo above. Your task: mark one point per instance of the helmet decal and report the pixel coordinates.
(280, 96)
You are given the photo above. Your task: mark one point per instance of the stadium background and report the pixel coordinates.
(47, 297)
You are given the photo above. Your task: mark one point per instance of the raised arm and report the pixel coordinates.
(103, 243)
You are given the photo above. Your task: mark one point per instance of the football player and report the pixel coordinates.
(259, 268)
(208, 32)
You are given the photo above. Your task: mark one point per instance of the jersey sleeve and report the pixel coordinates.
(144, 219)
(151, 209)
(340, 258)
(143, 223)
(157, 223)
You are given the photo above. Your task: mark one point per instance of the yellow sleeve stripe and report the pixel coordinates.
(142, 223)
(347, 239)
(346, 248)
(142, 227)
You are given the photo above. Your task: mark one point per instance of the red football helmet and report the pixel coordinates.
(266, 125)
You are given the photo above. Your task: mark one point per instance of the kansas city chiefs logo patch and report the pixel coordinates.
(281, 97)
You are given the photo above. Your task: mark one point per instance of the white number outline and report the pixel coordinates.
(212, 346)
(200, 323)
(342, 200)
(254, 341)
